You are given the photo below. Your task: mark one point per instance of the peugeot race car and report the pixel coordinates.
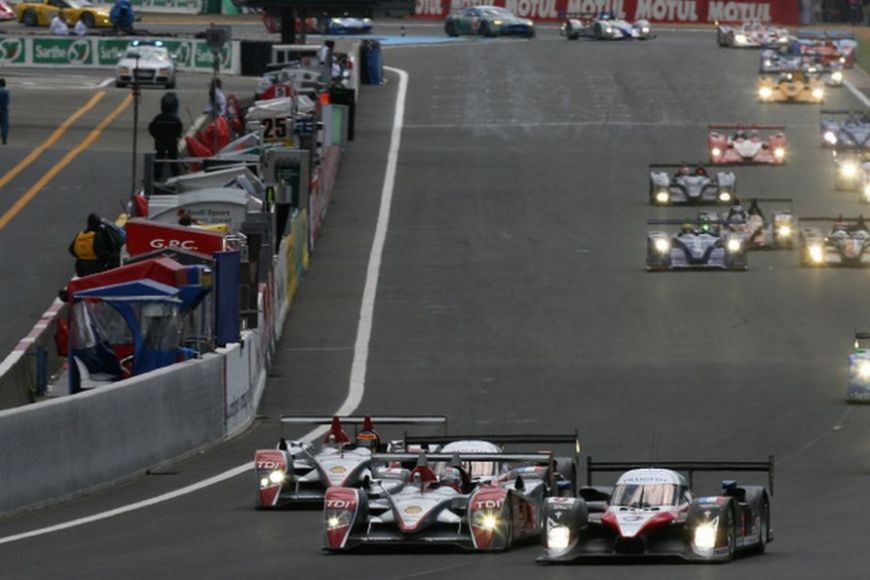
(858, 390)
(750, 35)
(843, 128)
(845, 244)
(488, 21)
(426, 506)
(777, 230)
(690, 184)
(793, 56)
(700, 244)
(791, 87)
(831, 46)
(747, 145)
(653, 511)
(604, 26)
(301, 472)
(852, 166)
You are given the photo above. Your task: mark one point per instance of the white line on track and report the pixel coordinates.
(858, 93)
(356, 387)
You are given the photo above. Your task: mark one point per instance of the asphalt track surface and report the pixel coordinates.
(513, 298)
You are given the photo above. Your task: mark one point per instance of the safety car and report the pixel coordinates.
(488, 21)
(604, 26)
(791, 87)
(652, 511)
(699, 244)
(845, 129)
(299, 472)
(749, 144)
(690, 184)
(750, 35)
(846, 243)
(146, 63)
(40, 13)
(776, 230)
(858, 389)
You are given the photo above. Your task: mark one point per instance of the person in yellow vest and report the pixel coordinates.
(91, 248)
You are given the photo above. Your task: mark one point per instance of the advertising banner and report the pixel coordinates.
(13, 51)
(145, 236)
(63, 51)
(701, 12)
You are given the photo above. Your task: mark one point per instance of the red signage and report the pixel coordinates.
(700, 12)
(145, 236)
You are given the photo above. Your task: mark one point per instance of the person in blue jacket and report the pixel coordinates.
(122, 15)
(4, 111)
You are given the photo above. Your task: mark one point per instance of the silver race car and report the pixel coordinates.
(301, 472)
(604, 26)
(852, 166)
(845, 129)
(690, 184)
(847, 243)
(750, 35)
(699, 244)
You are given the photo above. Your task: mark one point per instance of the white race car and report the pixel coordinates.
(147, 63)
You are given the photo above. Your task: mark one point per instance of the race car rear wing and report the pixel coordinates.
(750, 126)
(825, 35)
(693, 221)
(673, 165)
(828, 219)
(689, 467)
(856, 113)
(358, 420)
(542, 458)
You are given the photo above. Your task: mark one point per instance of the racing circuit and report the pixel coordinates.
(511, 297)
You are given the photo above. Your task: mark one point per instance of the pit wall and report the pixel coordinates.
(785, 12)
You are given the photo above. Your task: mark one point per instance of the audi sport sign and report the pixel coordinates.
(786, 12)
(145, 236)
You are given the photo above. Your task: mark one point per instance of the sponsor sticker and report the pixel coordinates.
(12, 50)
(338, 469)
(413, 509)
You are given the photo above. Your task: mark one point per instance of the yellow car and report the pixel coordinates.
(791, 87)
(40, 13)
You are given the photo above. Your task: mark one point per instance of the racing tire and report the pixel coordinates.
(450, 29)
(29, 18)
(509, 528)
(89, 20)
(566, 468)
(763, 527)
(484, 30)
(531, 34)
(730, 534)
(720, 38)
(599, 34)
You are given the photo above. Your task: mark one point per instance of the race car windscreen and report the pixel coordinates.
(646, 495)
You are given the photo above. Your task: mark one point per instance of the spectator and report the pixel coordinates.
(81, 29)
(217, 102)
(4, 111)
(166, 129)
(326, 56)
(91, 248)
(122, 16)
(58, 27)
(185, 219)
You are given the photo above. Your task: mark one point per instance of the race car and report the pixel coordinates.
(148, 62)
(747, 145)
(300, 472)
(604, 26)
(488, 21)
(652, 511)
(789, 57)
(845, 244)
(791, 87)
(852, 166)
(774, 231)
(40, 13)
(750, 35)
(6, 13)
(858, 389)
(429, 506)
(690, 184)
(846, 129)
(324, 24)
(700, 244)
(830, 46)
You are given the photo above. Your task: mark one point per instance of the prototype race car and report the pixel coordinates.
(699, 244)
(652, 511)
(775, 231)
(830, 46)
(791, 87)
(604, 26)
(146, 62)
(488, 21)
(747, 145)
(793, 56)
(858, 390)
(324, 24)
(846, 244)
(750, 35)
(845, 129)
(690, 184)
(40, 13)
(6, 13)
(301, 472)
(442, 506)
(853, 171)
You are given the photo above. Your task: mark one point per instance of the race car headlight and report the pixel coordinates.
(779, 152)
(842, 60)
(497, 22)
(558, 537)
(724, 196)
(818, 94)
(739, 38)
(867, 191)
(489, 522)
(530, 22)
(767, 62)
(863, 369)
(705, 535)
(335, 20)
(784, 231)
(367, 20)
(817, 255)
(663, 196)
(848, 169)
(662, 246)
(837, 76)
(765, 92)
(645, 29)
(734, 245)
(276, 477)
(337, 521)
(716, 152)
(830, 137)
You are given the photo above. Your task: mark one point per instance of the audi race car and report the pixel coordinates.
(843, 128)
(791, 87)
(429, 506)
(653, 511)
(845, 244)
(747, 145)
(853, 171)
(604, 26)
(700, 244)
(488, 21)
(690, 184)
(301, 472)
(750, 35)
(830, 47)
(146, 63)
(774, 231)
(858, 390)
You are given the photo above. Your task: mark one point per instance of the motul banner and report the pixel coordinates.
(786, 12)
(146, 236)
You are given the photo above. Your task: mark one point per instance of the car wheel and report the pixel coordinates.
(29, 18)
(763, 527)
(508, 528)
(599, 32)
(450, 29)
(720, 38)
(531, 33)
(484, 29)
(730, 535)
(88, 19)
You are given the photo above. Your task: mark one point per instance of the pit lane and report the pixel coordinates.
(513, 297)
